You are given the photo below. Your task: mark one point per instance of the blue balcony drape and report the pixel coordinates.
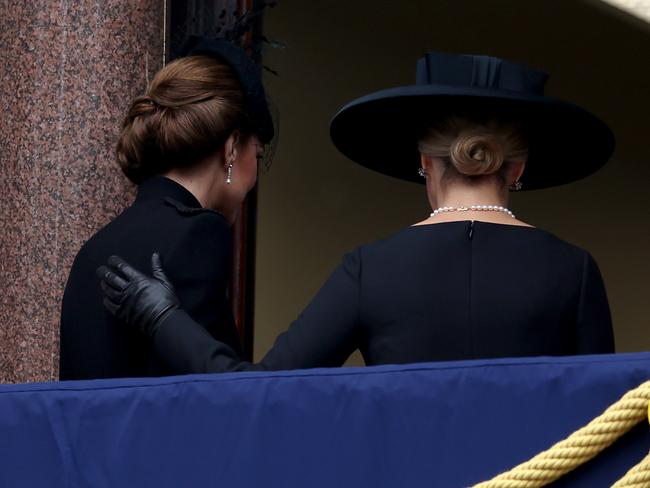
(419, 425)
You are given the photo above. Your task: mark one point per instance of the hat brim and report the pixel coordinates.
(380, 131)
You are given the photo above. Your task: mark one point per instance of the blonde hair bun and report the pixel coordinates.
(475, 148)
(476, 154)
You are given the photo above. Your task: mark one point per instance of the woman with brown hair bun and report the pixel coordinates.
(191, 144)
(471, 280)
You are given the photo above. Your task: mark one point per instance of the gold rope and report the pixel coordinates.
(583, 445)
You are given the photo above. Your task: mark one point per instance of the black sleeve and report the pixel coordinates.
(594, 321)
(324, 335)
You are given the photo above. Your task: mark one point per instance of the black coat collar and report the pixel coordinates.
(160, 188)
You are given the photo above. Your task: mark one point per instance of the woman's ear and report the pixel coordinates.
(515, 171)
(425, 162)
(231, 148)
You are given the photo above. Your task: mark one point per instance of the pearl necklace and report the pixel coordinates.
(477, 208)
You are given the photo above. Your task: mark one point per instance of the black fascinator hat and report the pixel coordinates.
(247, 71)
(381, 130)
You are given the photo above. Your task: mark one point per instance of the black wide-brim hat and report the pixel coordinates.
(381, 130)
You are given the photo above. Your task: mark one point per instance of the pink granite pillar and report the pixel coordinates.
(68, 70)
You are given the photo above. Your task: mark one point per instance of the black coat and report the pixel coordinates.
(449, 291)
(196, 249)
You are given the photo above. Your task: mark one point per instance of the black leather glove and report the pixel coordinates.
(134, 297)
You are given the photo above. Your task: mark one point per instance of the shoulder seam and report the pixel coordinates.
(191, 211)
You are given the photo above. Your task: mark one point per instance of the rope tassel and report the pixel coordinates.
(583, 445)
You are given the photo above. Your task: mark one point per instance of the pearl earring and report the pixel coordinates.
(422, 173)
(229, 172)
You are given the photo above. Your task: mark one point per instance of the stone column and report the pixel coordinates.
(68, 70)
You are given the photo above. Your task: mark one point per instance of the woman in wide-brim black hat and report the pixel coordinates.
(564, 142)
(471, 281)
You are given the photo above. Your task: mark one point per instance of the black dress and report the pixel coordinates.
(449, 291)
(196, 248)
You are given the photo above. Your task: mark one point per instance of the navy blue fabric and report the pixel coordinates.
(478, 71)
(419, 425)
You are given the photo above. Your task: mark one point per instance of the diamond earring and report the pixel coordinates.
(422, 173)
(516, 186)
(229, 173)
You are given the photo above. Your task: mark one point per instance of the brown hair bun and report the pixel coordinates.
(190, 109)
